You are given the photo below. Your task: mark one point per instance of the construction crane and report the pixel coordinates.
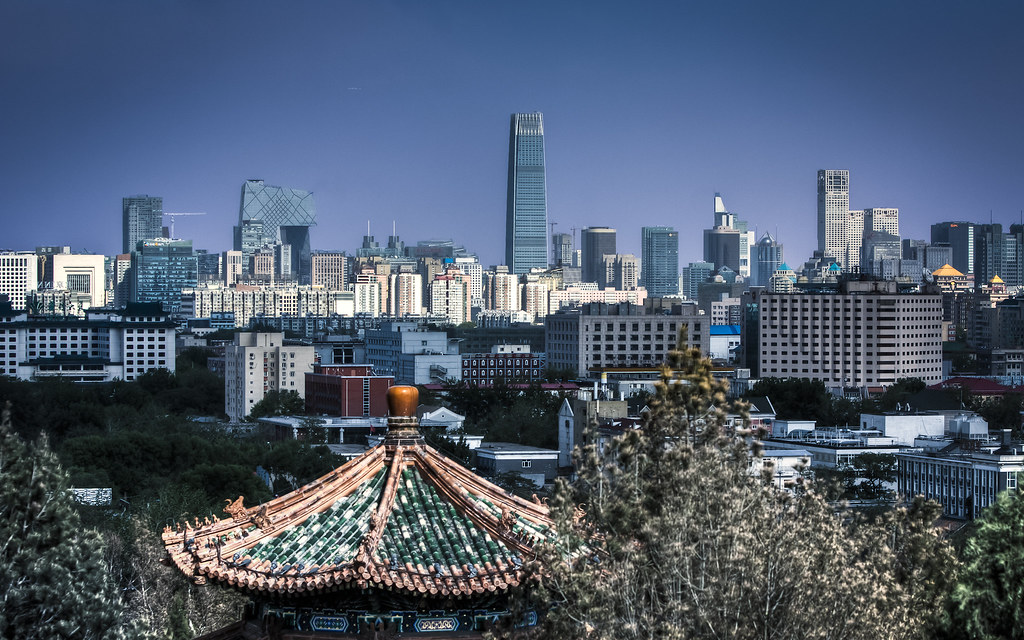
(172, 216)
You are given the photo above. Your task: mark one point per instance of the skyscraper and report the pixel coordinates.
(160, 269)
(659, 261)
(960, 238)
(596, 242)
(271, 214)
(769, 257)
(728, 243)
(562, 246)
(834, 213)
(526, 213)
(141, 219)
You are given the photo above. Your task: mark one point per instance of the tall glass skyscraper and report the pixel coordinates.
(659, 261)
(271, 214)
(160, 269)
(526, 214)
(141, 219)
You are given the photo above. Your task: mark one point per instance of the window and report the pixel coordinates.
(527, 464)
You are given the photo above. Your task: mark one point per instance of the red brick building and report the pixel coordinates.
(349, 390)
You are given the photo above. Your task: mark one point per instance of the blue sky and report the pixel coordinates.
(398, 111)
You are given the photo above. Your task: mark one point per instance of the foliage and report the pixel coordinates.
(278, 403)
(989, 596)
(52, 577)
(508, 414)
(805, 399)
(866, 479)
(1002, 412)
(899, 393)
(680, 539)
(559, 374)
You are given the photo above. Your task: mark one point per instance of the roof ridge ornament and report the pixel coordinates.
(403, 425)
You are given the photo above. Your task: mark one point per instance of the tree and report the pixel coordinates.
(989, 596)
(278, 403)
(669, 534)
(52, 574)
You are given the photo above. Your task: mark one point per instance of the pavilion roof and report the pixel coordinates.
(400, 517)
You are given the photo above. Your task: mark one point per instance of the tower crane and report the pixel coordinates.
(173, 215)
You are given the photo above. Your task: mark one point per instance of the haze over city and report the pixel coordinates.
(398, 112)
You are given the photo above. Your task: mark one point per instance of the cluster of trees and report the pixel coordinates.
(669, 534)
(503, 413)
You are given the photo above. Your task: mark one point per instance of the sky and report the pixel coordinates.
(397, 112)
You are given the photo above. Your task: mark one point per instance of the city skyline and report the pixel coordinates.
(398, 113)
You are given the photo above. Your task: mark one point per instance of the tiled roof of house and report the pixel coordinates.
(400, 517)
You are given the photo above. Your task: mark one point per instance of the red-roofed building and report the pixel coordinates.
(350, 390)
(976, 386)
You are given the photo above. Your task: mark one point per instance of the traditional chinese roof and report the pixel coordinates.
(977, 386)
(400, 517)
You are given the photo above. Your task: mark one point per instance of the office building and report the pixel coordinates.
(19, 274)
(412, 353)
(101, 346)
(329, 270)
(526, 214)
(141, 219)
(728, 243)
(232, 264)
(694, 274)
(270, 214)
(596, 243)
(960, 238)
(562, 249)
(161, 269)
(621, 271)
(854, 334)
(245, 302)
(598, 335)
(508, 362)
(767, 259)
(998, 254)
(833, 213)
(659, 261)
(78, 273)
(257, 363)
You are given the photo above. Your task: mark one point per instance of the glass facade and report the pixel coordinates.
(283, 215)
(142, 219)
(161, 269)
(526, 219)
(659, 261)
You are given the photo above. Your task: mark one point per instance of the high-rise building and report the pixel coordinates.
(406, 295)
(160, 269)
(329, 270)
(271, 214)
(79, 273)
(562, 250)
(834, 213)
(998, 254)
(19, 274)
(960, 238)
(694, 274)
(659, 261)
(596, 242)
(526, 214)
(728, 243)
(141, 219)
(768, 258)
(621, 271)
(260, 362)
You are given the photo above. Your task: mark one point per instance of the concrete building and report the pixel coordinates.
(257, 363)
(329, 270)
(621, 271)
(347, 391)
(450, 297)
(247, 302)
(833, 215)
(965, 471)
(539, 466)
(19, 274)
(412, 353)
(102, 346)
(406, 291)
(588, 292)
(600, 335)
(507, 362)
(858, 334)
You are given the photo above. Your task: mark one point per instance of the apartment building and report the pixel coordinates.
(257, 363)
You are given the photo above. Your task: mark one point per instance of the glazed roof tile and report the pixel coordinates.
(399, 517)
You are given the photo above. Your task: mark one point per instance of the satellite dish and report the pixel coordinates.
(927, 275)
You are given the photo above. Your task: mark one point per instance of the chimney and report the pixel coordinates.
(1006, 436)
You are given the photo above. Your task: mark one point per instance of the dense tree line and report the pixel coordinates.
(503, 413)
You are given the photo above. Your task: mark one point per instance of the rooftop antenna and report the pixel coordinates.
(172, 215)
(367, 227)
(393, 231)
